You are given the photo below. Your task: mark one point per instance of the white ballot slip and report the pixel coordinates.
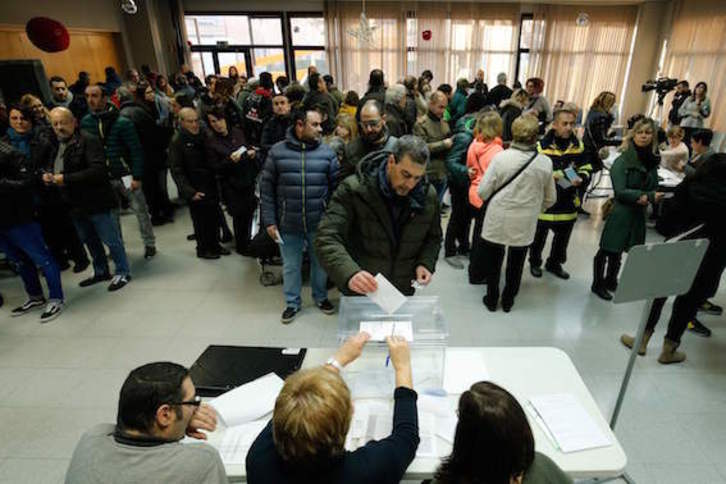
(569, 424)
(240, 151)
(387, 296)
(126, 180)
(248, 402)
(237, 441)
(380, 329)
(278, 237)
(462, 369)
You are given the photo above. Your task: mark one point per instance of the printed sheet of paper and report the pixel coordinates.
(248, 402)
(462, 369)
(569, 424)
(380, 329)
(237, 441)
(387, 296)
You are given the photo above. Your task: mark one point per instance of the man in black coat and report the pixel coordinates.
(21, 238)
(681, 94)
(376, 91)
(195, 178)
(78, 168)
(275, 127)
(394, 110)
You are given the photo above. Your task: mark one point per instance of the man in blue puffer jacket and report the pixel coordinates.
(297, 182)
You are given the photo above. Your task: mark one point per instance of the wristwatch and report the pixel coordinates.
(334, 363)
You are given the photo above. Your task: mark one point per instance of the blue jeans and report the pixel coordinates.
(25, 247)
(102, 227)
(440, 187)
(292, 258)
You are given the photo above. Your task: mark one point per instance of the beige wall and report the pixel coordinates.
(253, 5)
(86, 14)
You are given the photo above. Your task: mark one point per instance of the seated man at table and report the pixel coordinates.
(494, 443)
(304, 442)
(157, 407)
(383, 220)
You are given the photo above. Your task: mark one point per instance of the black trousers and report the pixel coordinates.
(686, 305)
(242, 216)
(60, 235)
(494, 257)
(606, 267)
(477, 262)
(457, 231)
(558, 252)
(155, 192)
(205, 219)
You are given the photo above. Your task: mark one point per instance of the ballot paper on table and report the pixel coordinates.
(462, 369)
(248, 402)
(380, 329)
(568, 423)
(237, 440)
(387, 296)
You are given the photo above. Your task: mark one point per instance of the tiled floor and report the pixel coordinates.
(59, 379)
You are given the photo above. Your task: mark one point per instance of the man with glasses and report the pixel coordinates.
(374, 136)
(157, 407)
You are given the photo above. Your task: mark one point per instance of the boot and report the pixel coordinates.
(598, 271)
(629, 341)
(669, 354)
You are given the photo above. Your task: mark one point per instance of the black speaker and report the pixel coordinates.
(18, 77)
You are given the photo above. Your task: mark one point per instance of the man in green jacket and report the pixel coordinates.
(383, 220)
(437, 135)
(124, 157)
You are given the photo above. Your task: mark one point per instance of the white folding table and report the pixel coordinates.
(524, 372)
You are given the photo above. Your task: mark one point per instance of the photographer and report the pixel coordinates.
(682, 92)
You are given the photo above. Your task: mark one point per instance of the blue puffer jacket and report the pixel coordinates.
(297, 181)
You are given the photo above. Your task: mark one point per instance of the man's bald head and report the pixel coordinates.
(63, 122)
(372, 122)
(189, 120)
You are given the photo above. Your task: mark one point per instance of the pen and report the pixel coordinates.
(393, 331)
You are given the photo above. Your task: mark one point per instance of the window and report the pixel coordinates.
(526, 32)
(307, 39)
(253, 43)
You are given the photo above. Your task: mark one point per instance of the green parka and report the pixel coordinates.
(625, 227)
(357, 232)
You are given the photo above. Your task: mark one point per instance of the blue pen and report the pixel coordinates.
(388, 358)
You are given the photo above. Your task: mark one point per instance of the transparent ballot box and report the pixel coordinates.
(369, 376)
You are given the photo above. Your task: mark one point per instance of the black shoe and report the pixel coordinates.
(81, 266)
(2, 300)
(228, 237)
(710, 308)
(326, 306)
(28, 306)
(208, 255)
(558, 271)
(192, 237)
(118, 282)
(288, 315)
(490, 304)
(160, 220)
(611, 286)
(507, 305)
(94, 280)
(536, 271)
(699, 328)
(601, 292)
(149, 252)
(583, 212)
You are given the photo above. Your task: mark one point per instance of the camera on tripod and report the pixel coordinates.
(662, 86)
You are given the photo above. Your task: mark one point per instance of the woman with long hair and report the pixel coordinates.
(694, 110)
(494, 444)
(635, 180)
(510, 109)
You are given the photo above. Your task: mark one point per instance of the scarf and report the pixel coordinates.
(20, 142)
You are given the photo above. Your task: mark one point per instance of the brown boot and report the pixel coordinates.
(669, 354)
(629, 341)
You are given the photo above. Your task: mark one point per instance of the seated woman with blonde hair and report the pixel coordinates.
(305, 440)
(674, 154)
(494, 444)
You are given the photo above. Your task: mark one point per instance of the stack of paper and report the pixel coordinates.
(568, 423)
(248, 402)
(387, 296)
(237, 441)
(379, 330)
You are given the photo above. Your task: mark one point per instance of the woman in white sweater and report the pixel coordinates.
(511, 214)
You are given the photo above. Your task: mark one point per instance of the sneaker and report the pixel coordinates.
(118, 282)
(326, 306)
(52, 311)
(28, 306)
(149, 252)
(710, 308)
(699, 328)
(81, 266)
(454, 262)
(288, 315)
(94, 280)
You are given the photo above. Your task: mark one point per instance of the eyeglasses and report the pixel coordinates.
(196, 401)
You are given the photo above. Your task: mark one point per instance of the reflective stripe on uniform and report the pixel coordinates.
(558, 217)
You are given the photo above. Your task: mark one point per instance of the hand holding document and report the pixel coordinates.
(387, 296)
(248, 402)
